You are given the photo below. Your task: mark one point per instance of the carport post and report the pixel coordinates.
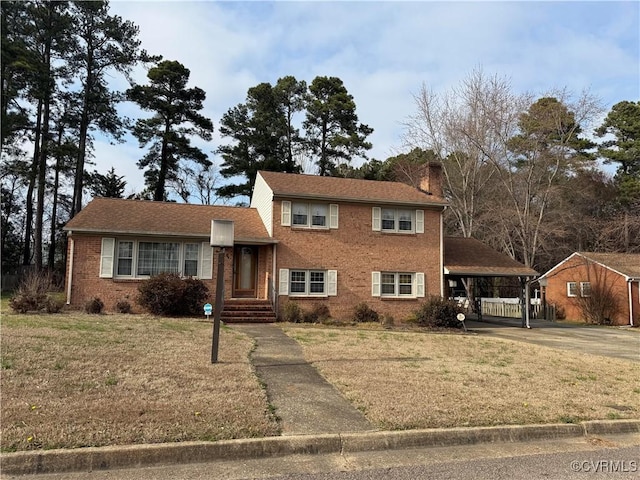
(526, 300)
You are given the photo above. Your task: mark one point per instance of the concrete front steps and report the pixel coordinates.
(240, 310)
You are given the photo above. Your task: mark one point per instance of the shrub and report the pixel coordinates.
(387, 321)
(194, 296)
(94, 305)
(32, 292)
(168, 294)
(364, 313)
(438, 312)
(291, 312)
(320, 312)
(55, 303)
(123, 306)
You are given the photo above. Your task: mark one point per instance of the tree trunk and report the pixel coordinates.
(33, 175)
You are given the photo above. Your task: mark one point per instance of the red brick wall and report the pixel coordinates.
(86, 281)
(576, 269)
(355, 250)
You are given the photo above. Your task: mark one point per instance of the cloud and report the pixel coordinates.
(384, 51)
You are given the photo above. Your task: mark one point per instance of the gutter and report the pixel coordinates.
(381, 201)
(630, 297)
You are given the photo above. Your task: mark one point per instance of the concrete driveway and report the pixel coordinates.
(616, 342)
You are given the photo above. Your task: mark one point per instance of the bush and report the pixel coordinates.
(55, 303)
(291, 312)
(319, 313)
(123, 306)
(194, 296)
(95, 305)
(168, 294)
(387, 321)
(438, 312)
(364, 313)
(32, 293)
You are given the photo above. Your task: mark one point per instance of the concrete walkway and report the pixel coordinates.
(303, 400)
(620, 342)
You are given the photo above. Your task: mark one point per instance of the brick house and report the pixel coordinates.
(305, 238)
(584, 277)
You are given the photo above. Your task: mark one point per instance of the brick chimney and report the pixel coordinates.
(431, 181)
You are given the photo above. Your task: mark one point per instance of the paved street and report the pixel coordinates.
(567, 459)
(621, 343)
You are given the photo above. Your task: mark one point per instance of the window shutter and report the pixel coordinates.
(283, 278)
(419, 284)
(375, 284)
(333, 215)
(286, 213)
(376, 213)
(419, 221)
(206, 261)
(106, 257)
(332, 283)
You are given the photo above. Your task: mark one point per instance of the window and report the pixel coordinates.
(397, 220)
(307, 282)
(572, 289)
(125, 258)
(397, 284)
(309, 215)
(157, 257)
(585, 289)
(191, 253)
(302, 283)
(145, 259)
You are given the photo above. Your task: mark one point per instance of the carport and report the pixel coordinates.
(475, 268)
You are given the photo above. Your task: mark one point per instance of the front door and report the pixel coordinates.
(245, 270)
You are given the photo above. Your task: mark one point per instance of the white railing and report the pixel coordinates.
(500, 308)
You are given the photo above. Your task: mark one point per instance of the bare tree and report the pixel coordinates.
(465, 127)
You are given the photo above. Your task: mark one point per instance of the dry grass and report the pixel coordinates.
(415, 380)
(76, 380)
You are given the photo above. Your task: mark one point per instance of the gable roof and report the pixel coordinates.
(141, 217)
(626, 264)
(468, 256)
(294, 185)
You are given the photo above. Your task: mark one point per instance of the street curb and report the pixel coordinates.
(133, 456)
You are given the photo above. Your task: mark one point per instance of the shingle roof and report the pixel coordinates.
(139, 217)
(625, 263)
(347, 189)
(468, 256)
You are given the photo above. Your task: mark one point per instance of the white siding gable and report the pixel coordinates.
(262, 201)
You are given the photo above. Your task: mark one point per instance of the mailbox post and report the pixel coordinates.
(221, 237)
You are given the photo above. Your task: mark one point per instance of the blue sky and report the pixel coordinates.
(383, 51)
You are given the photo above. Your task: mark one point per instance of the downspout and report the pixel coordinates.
(630, 296)
(70, 275)
(273, 276)
(442, 252)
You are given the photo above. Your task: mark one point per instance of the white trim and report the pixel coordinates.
(332, 283)
(375, 284)
(420, 290)
(107, 252)
(205, 269)
(333, 215)
(283, 281)
(376, 219)
(285, 218)
(419, 227)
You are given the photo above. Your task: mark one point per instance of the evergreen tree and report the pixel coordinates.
(333, 134)
(176, 118)
(110, 185)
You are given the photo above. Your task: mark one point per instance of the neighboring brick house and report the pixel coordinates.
(584, 277)
(305, 238)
